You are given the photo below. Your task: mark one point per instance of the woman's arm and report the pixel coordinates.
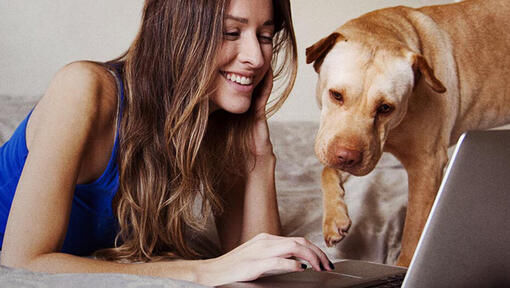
(252, 207)
(58, 132)
(249, 261)
(78, 108)
(260, 205)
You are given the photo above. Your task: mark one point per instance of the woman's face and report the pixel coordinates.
(245, 55)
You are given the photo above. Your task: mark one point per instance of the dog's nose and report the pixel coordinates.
(347, 157)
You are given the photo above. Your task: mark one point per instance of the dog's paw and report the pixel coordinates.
(334, 229)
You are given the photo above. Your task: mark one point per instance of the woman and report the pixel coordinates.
(118, 154)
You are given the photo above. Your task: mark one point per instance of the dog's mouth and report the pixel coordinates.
(346, 167)
(356, 170)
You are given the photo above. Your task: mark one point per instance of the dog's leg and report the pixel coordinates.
(424, 174)
(335, 220)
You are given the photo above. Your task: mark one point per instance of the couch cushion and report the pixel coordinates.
(13, 110)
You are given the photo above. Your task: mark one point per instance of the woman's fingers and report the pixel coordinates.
(277, 265)
(285, 247)
(262, 142)
(296, 249)
(263, 93)
(326, 264)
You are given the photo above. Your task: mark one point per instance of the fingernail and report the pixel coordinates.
(303, 266)
(331, 265)
(322, 267)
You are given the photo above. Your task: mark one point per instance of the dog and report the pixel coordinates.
(410, 82)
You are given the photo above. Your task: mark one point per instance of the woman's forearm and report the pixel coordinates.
(198, 271)
(260, 204)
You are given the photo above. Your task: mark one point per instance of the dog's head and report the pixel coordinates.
(363, 92)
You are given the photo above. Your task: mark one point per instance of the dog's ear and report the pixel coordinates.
(318, 51)
(421, 67)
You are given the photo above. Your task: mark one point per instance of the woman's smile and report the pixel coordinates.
(240, 82)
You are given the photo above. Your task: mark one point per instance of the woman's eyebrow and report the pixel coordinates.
(245, 21)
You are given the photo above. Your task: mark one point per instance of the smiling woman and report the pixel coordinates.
(245, 55)
(114, 156)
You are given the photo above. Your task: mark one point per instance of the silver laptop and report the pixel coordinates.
(466, 241)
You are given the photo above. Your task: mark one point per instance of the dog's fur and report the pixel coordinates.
(409, 82)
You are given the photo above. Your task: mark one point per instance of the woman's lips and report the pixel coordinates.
(239, 82)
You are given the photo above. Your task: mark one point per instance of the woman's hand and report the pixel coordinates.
(262, 143)
(264, 254)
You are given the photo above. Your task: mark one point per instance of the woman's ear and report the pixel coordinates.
(421, 67)
(320, 49)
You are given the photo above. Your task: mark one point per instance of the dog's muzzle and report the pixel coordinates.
(344, 158)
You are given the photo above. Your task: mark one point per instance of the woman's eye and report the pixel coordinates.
(266, 39)
(384, 109)
(231, 35)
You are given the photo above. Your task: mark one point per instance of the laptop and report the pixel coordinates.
(465, 242)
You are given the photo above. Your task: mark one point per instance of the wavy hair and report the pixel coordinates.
(172, 150)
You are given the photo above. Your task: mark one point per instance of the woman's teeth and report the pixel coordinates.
(239, 79)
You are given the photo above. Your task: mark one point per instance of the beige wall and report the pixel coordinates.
(39, 36)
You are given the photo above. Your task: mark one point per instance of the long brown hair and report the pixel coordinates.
(172, 151)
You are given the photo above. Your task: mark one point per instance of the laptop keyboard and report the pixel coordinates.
(390, 281)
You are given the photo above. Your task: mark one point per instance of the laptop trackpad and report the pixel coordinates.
(304, 279)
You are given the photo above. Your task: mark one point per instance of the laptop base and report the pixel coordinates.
(347, 273)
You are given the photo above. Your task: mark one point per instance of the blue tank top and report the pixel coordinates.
(92, 224)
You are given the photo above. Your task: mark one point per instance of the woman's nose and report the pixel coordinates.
(251, 52)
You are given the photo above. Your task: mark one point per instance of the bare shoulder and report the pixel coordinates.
(85, 82)
(83, 92)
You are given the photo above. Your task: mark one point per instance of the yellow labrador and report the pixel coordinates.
(409, 82)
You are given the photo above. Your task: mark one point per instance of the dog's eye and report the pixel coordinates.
(336, 95)
(384, 109)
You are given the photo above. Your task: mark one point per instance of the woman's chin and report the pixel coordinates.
(235, 106)
(234, 102)
(238, 109)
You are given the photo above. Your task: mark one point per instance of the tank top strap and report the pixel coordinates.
(116, 70)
